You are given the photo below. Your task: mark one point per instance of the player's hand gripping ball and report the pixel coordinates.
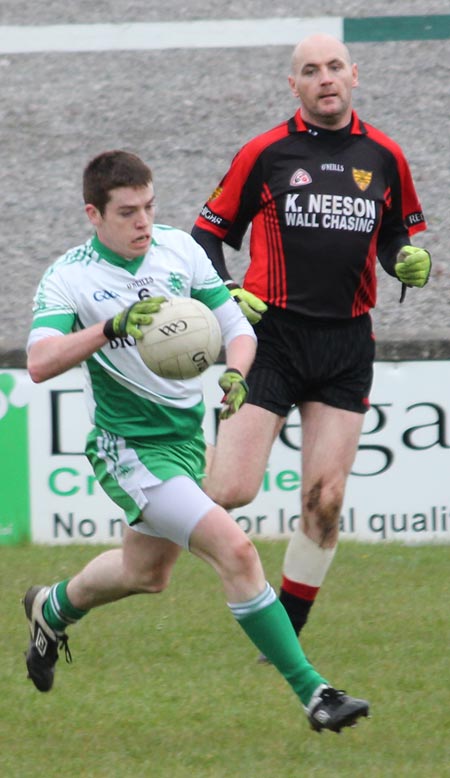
(183, 339)
(129, 321)
(413, 266)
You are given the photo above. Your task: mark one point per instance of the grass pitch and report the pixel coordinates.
(167, 686)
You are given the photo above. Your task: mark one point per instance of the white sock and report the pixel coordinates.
(306, 562)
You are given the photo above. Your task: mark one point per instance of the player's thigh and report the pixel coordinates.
(242, 449)
(330, 439)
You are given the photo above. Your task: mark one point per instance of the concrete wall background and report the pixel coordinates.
(186, 112)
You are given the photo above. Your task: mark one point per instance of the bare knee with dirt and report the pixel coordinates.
(329, 443)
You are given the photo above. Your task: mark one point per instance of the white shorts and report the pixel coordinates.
(173, 509)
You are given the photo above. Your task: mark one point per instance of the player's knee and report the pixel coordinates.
(322, 505)
(230, 495)
(242, 558)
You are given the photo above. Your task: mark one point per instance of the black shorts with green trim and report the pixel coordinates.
(302, 359)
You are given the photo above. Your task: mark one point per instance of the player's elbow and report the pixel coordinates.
(35, 372)
(42, 361)
(38, 369)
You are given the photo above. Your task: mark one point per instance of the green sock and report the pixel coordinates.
(270, 629)
(58, 611)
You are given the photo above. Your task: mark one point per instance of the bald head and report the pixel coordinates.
(318, 47)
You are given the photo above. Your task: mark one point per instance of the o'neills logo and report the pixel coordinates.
(300, 178)
(362, 178)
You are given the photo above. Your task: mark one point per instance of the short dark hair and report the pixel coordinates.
(111, 170)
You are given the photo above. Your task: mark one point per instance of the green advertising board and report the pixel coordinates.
(14, 461)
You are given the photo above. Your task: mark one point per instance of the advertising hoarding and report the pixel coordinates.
(398, 488)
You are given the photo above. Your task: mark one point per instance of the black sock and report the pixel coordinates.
(297, 609)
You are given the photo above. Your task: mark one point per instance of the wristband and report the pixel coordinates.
(108, 330)
(238, 372)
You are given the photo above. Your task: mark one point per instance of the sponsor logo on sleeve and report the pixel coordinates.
(210, 216)
(415, 218)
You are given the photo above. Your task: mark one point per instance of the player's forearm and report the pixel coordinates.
(52, 356)
(240, 353)
(388, 250)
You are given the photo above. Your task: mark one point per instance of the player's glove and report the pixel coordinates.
(251, 306)
(413, 266)
(128, 321)
(236, 390)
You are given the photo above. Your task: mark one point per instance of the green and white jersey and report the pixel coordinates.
(89, 284)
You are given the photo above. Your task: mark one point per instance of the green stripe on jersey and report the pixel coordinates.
(61, 321)
(212, 297)
(127, 414)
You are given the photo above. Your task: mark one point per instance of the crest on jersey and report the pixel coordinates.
(175, 282)
(300, 178)
(362, 178)
(217, 192)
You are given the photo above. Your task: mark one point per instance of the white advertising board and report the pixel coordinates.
(398, 490)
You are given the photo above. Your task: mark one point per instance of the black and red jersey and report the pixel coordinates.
(322, 206)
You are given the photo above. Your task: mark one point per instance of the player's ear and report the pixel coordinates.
(93, 214)
(355, 81)
(292, 84)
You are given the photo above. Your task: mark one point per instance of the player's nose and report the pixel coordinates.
(142, 218)
(326, 75)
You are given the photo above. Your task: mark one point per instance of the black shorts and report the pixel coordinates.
(301, 359)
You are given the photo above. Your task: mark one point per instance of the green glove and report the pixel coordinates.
(128, 321)
(413, 266)
(251, 306)
(236, 390)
